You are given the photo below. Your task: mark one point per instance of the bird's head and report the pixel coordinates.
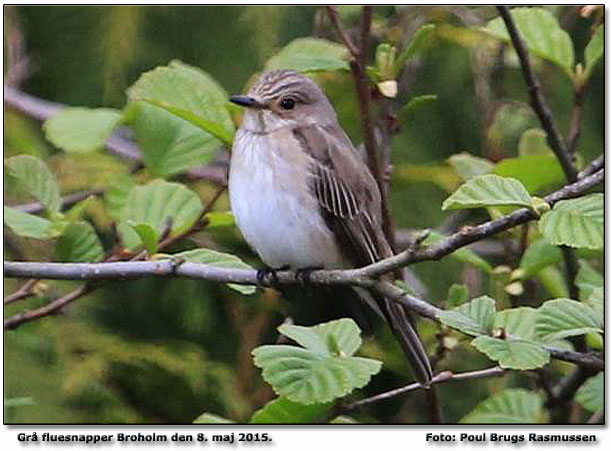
(284, 98)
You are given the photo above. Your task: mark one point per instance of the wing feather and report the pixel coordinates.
(349, 201)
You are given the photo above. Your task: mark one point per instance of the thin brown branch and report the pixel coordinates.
(576, 119)
(440, 378)
(66, 201)
(24, 291)
(565, 390)
(49, 309)
(341, 31)
(554, 138)
(594, 166)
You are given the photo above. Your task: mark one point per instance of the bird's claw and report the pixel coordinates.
(303, 274)
(266, 277)
(269, 276)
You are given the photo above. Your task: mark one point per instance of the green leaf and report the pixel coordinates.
(457, 294)
(554, 282)
(81, 130)
(517, 322)
(220, 219)
(587, 280)
(190, 94)
(423, 37)
(170, 145)
(512, 353)
(220, 259)
(304, 376)
(210, 418)
(463, 254)
(284, 411)
(562, 318)
(595, 50)
(537, 256)
(596, 302)
(591, 395)
(385, 59)
(147, 234)
(468, 166)
(75, 213)
(475, 318)
(159, 203)
(116, 195)
(310, 55)
(27, 225)
(541, 33)
(321, 372)
(533, 142)
(415, 103)
(488, 190)
(79, 243)
(527, 170)
(345, 332)
(35, 178)
(512, 405)
(576, 222)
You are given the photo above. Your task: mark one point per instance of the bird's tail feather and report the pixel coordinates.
(405, 331)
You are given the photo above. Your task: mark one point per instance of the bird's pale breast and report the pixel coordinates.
(273, 207)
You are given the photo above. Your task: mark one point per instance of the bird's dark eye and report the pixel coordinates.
(287, 103)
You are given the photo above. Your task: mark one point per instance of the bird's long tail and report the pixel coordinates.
(405, 331)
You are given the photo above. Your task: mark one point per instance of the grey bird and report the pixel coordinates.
(303, 197)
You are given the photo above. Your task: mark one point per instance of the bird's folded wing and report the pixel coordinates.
(349, 200)
(347, 193)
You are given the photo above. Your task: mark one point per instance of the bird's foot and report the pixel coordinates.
(268, 276)
(303, 274)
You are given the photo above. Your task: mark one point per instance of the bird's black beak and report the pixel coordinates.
(244, 101)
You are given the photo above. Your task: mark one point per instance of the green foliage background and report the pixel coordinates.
(168, 350)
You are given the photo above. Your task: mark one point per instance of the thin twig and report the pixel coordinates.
(571, 269)
(596, 164)
(341, 32)
(576, 119)
(24, 291)
(554, 138)
(439, 378)
(66, 201)
(566, 388)
(49, 309)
